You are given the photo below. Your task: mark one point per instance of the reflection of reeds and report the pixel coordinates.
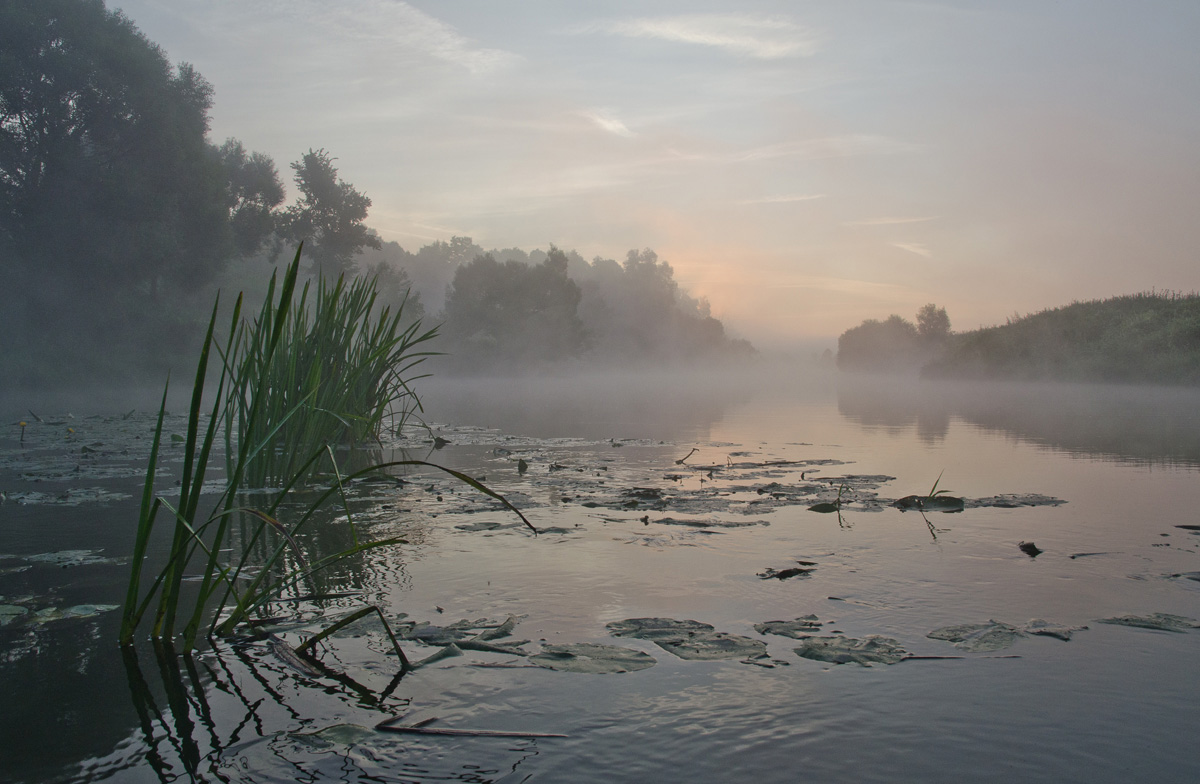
(288, 390)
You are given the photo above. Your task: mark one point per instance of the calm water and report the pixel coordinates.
(1111, 704)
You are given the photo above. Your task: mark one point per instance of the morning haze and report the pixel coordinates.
(634, 382)
(803, 166)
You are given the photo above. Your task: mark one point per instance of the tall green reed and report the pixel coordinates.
(292, 384)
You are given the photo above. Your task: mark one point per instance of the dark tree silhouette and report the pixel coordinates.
(328, 215)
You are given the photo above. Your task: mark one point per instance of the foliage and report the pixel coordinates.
(328, 214)
(1149, 337)
(254, 191)
(514, 307)
(933, 323)
(112, 200)
(245, 391)
(514, 312)
(341, 363)
(893, 345)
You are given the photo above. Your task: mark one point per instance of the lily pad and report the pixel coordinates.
(10, 613)
(797, 629)
(997, 635)
(938, 503)
(715, 646)
(69, 558)
(1161, 621)
(592, 658)
(871, 649)
(990, 636)
(655, 629)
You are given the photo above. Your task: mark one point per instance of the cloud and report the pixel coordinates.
(913, 247)
(391, 27)
(828, 147)
(783, 199)
(608, 123)
(890, 221)
(764, 38)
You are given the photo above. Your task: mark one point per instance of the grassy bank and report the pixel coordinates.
(1140, 338)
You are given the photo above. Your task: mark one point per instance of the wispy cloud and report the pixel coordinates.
(765, 38)
(608, 123)
(914, 247)
(393, 28)
(890, 221)
(828, 147)
(783, 199)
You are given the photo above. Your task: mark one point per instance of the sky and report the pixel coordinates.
(803, 165)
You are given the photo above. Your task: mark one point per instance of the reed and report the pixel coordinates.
(292, 385)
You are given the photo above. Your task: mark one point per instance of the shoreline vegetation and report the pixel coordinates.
(1146, 338)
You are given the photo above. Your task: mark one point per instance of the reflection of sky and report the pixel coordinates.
(803, 166)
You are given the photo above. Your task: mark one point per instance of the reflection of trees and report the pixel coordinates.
(1157, 425)
(613, 405)
(894, 405)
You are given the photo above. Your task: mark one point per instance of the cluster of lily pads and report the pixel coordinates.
(698, 641)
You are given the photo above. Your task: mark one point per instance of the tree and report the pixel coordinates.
(254, 192)
(933, 323)
(105, 173)
(514, 312)
(112, 199)
(328, 215)
(892, 345)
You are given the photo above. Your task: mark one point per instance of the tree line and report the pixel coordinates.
(117, 212)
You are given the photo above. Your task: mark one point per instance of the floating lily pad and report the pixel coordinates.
(65, 558)
(1161, 621)
(592, 658)
(798, 629)
(990, 636)
(939, 503)
(1047, 629)
(655, 629)
(10, 613)
(825, 508)
(714, 646)
(997, 635)
(49, 614)
(872, 649)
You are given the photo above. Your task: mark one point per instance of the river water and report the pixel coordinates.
(1103, 481)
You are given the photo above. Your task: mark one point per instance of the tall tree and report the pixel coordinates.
(933, 323)
(254, 193)
(105, 172)
(328, 214)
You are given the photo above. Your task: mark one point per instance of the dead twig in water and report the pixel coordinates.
(683, 459)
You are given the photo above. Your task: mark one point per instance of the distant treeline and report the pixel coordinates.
(1141, 338)
(506, 309)
(119, 219)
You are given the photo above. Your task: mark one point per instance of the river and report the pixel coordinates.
(683, 498)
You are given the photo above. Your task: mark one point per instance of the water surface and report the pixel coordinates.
(1111, 703)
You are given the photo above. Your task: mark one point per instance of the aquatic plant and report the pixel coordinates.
(261, 415)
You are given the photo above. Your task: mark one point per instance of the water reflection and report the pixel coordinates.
(1151, 425)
